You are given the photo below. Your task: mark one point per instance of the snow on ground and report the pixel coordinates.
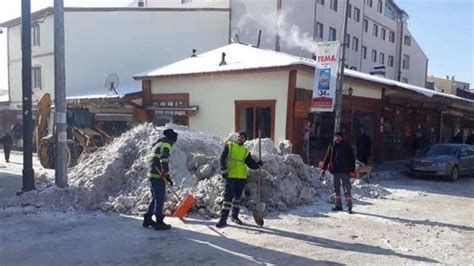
(114, 177)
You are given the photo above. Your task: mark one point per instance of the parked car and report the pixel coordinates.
(443, 160)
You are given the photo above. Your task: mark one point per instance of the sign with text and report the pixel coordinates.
(325, 76)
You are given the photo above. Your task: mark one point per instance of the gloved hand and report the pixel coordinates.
(260, 163)
(166, 177)
(224, 173)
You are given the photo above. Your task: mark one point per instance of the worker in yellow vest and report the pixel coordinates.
(234, 162)
(158, 175)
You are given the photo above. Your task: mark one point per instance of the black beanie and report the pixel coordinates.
(171, 135)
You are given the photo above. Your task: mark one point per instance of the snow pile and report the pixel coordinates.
(114, 177)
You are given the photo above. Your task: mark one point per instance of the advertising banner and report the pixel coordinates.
(325, 76)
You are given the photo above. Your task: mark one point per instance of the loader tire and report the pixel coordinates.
(74, 152)
(46, 153)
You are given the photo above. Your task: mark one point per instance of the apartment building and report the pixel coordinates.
(377, 33)
(103, 41)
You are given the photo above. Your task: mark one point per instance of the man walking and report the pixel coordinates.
(159, 173)
(234, 162)
(340, 161)
(7, 142)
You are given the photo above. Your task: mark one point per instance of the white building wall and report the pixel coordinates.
(416, 74)
(215, 97)
(42, 56)
(128, 42)
(123, 42)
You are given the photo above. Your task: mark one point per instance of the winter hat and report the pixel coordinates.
(170, 134)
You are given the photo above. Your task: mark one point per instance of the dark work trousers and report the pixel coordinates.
(232, 194)
(158, 190)
(6, 150)
(346, 186)
(363, 158)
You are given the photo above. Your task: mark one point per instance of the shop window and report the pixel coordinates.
(252, 116)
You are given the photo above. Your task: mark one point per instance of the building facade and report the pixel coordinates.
(377, 33)
(250, 89)
(449, 84)
(101, 41)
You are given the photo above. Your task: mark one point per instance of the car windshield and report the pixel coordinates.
(441, 150)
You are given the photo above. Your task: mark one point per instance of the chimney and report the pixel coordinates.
(223, 62)
(447, 77)
(194, 53)
(141, 3)
(452, 78)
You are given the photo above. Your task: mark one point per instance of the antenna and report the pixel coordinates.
(112, 82)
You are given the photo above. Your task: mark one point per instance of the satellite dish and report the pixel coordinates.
(112, 82)
(235, 35)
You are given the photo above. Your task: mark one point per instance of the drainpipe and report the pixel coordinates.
(400, 53)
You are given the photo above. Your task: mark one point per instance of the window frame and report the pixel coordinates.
(382, 58)
(35, 35)
(391, 36)
(329, 35)
(355, 43)
(390, 60)
(356, 14)
(380, 6)
(407, 40)
(322, 30)
(333, 5)
(242, 104)
(364, 51)
(406, 61)
(36, 78)
(375, 30)
(373, 56)
(365, 25)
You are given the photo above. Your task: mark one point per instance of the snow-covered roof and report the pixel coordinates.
(238, 57)
(244, 57)
(390, 82)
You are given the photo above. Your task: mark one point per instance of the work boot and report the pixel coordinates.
(337, 208)
(236, 220)
(162, 226)
(222, 223)
(349, 211)
(147, 221)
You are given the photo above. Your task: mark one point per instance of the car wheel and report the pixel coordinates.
(454, 173)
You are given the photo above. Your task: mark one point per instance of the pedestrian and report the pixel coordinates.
(158, 174)
(7, 142)
(458, 138)
(234, 162)
(339, 160)
(364, 147)
(470, 139)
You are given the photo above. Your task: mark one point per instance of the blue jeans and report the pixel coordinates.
(158, 190)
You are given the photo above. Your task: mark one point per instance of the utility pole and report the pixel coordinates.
(340, 81)
(28, 172)
(60, 95)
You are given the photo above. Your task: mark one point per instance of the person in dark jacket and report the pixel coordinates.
(340, 161)
(234, 162)
(7, 142)
(159, 173)
(364, 147)
(457, 139)
(470, 139)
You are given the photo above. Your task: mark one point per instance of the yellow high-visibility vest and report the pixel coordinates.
(236, 167)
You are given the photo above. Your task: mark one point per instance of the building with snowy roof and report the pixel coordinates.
(239, 87)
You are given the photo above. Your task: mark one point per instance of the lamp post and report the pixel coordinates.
(350, 91)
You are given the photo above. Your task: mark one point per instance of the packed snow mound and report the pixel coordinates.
(114, 178)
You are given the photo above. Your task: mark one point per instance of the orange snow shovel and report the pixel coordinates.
(184, 205)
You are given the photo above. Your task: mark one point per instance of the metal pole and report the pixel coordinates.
(340, 82)
(60, 95)
(28, 172)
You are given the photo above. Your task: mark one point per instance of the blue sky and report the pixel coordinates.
(444, 30)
